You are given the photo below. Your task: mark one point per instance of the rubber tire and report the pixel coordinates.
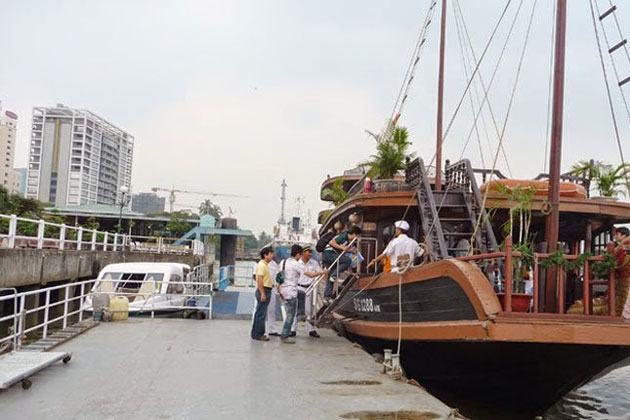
(26, 384)
(67, 359)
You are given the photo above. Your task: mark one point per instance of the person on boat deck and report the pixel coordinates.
(274, 302)
(288, 291)
(402, 249)
(310, 269)
(338, 245)
(620, 249)
(264, 284)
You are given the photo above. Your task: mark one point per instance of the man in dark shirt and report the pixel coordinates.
(339, 244)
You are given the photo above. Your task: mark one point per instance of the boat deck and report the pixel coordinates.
(189, 369)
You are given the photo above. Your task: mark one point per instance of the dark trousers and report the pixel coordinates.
(258, 324)
(343, 264)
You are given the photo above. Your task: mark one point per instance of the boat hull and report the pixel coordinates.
(511, 378)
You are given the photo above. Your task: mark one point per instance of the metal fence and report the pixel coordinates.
(52, 310)
(20, 232)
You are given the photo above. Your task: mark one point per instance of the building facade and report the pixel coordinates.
(77, 158)
(9, 178)
(148, 203)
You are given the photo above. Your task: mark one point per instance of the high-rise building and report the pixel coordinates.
(9, 178)
(148, 203)
(76, 157)
(23, 173)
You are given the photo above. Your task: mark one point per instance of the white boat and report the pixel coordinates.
(150, 287)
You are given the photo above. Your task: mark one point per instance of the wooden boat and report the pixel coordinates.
(455, 336)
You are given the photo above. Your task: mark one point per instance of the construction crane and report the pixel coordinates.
(171, 194)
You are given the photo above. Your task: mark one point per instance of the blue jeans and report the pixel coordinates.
(258, 324)
(344, 263)
(291, 309)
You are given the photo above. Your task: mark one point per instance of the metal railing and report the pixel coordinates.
(20, 232)
(557, 274)
(72, 307)
(233, 273)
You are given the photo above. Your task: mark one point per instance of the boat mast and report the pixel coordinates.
(440, 102)
(553, 218)
(283, 199)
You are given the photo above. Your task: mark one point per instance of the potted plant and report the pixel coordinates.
(520, 215)
(609, 179)
(389, 159)
(336, 192)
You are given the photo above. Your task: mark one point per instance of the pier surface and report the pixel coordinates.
(189, 369)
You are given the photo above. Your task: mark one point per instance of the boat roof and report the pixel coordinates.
(617, 211)
(144, 267)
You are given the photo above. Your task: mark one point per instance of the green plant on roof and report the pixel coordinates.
(610, 179)
(392, 149)
(336, 192)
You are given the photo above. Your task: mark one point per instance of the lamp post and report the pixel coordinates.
(124, 200)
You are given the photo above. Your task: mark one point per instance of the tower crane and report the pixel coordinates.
(171, 194)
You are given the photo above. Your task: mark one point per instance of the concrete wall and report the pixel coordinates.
(26, 267)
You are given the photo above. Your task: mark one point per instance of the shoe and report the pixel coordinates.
(293, 334)
(314, 334)
(287, 341)
(262, 338)
(274, 334)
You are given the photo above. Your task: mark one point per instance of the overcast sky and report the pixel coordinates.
(234, 96)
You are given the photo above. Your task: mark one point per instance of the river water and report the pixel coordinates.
(605, 398)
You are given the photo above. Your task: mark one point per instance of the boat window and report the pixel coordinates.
(175, 288)
(106, 285)
(130, 282)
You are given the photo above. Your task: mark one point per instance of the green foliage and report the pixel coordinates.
(264, 239)
(527, 255)
(610, 179)
(600, 269)
(391, 153)
(251, 242)
(207, 207)
(178, 225)
(21, 207)
(336, 192)
(521, 210)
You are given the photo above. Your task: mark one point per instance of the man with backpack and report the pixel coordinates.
(287, 280)
(336, 246)
(264, 285)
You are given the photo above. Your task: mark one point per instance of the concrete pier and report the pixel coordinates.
(189, 369)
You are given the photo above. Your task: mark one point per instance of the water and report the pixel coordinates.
(605, 398)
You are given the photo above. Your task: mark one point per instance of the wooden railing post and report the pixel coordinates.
(508, 273)
(611, 293)
(586, 289)
(536, 285)
(560, 288)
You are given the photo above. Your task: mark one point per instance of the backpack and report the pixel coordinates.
(323, 241)
(280, 275)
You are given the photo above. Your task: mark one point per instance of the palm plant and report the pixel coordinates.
(610, 179)
(208, 207)
(336, 192)
(391, 152)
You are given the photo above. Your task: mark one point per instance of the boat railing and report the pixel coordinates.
(550, 271)
(319, 279)
(36, 313)
(237, 275)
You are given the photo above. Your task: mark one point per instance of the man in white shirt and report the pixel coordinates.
(402, 249)
(274, 268)
(310, 270)
(288, 291)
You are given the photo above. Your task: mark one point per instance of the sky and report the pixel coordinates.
(233, 97)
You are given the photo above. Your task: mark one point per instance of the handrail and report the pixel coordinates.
(196, 287)
(319, 278)
(67, 237)
(588, 280)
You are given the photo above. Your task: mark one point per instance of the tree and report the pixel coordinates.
(178, 224)
(336, 192)
(251, 242)
(609, 179)
(391, 154)
(207, 207)
(264, 239)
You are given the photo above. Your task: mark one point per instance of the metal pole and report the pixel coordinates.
(553, 218)
(122, 204)
(440, 102)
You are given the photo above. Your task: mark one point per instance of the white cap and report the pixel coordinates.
(401, 224)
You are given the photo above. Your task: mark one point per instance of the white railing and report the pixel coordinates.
(74, 307)
(20, 232)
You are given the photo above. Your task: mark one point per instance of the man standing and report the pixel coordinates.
(338, 245)
(274, 268)
(288, 291)
(264, 284)
(310, 269)
(402, 249)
